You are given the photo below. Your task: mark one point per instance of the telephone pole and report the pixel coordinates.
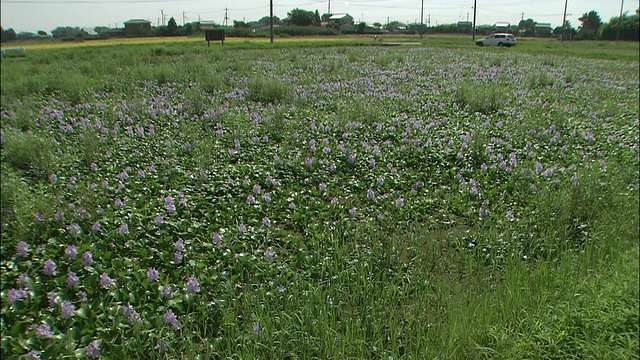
(329, 8)
(162, 12)
(421, 18)
(564, 19)
(620, 21)
(473, 29)
(271, 20)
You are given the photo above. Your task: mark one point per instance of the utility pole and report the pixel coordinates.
(620, 21)
(564, 19)
(224, 23)
(429, 21)
(271, 20)
(329, 8)
(522, 16)
(421, 18)
(473, 29)
(183, 19)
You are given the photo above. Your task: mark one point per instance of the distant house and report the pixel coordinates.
(344, 22)
(88, 33)
(465, 26)
(137, 27)
(207, 25)
(542, 29)
(503, 27)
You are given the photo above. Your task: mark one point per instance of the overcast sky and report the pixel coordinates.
(33, 15)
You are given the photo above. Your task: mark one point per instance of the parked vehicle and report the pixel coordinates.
(499, 39)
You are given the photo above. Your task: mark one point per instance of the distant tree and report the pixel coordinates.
(187, 29)
(393, 25)
(360, 27)
(590, 21)
(172, 27)
(316, 18)
(42, 33)
(240, 24)
(301, 17)
(629, 30)
(66, 32)
(325, 17)
(101, 30)
(569, 31)
(265, 21)
(527, 27)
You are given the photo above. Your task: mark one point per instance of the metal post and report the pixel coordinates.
(473, 30)
(620, 21)
(271, 19)
(421, 19)
(564, 19)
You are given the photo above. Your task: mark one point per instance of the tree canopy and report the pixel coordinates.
(172, 27)
(301, 17)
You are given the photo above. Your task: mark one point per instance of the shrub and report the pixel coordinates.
(264, 90)
(26, 151)
(480, 98)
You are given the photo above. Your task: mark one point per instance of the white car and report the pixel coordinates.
(500, 39)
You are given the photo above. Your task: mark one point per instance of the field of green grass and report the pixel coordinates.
(324, 198)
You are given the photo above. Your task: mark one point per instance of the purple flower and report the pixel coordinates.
(292, 205)
(334, 200)
(158, 220)
(96, 226)
(266, 198)
(105, 281)
(152, 274)
(280, 288)
(179, 245)
(509, 215)
(67, 309)
(269, 254)
(52, 299)
(170, 319)
(161, 346)
(266, 221)
(72, 280)
(166, 291)
(44, 330)
(217, 240)
(352, 212)
(71, 252)
(23, 281)
(351, 159)
(53, 178)
(256, 189)
(256, 327)
(242, 228)
(75, 230)
(193, 286)
(33, 355)
(23, 248)
(380, 181)
(94, 167)
(169, 204)
(251, 199)
(93, 349)
(177, 257)
(49, 267)
(323, 187)
(124, 229)
(129, 312)
(483, 212)
(16, 294)
(82, 295)
(399, 202)
(371, 195)
(87, 258)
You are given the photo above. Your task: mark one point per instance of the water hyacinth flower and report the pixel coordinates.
(169, 204)
(380, 181)
(179, 245)
(124, 229)
(152, 274)
(242, 228)
(105, 281)
(256, 327)
(266, 221)
(169, 318)
(87, 258)
(323, 187)
(256, 189)
(44, 331)
(161, 346)
(52, 297)
(269, 254)
(399, 202)
(129, 312)
(49, 267)
(22, 248)
(509, 215)
(192, 285)
(266, 198)
(93, 349)
(352, 212)
(166, 291)
(95, 227)
(75, 230)
(82, 295)
(72, 280)
(217, 240)
(67, 309)
(71, 252)
(177, 257)
(14, 295)
(250, 199)
(158, 220)
(94, 166)
(334, 200)
(371, 195)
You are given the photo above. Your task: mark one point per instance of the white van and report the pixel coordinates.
(499, 39)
